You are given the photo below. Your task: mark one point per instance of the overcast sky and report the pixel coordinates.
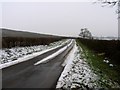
(60, 18)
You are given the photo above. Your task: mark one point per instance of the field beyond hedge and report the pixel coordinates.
(13, 38)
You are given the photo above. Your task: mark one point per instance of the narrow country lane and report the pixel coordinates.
(27, 75)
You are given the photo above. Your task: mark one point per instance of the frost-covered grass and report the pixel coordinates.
(77, 74)
(107, 72)
(12, 54)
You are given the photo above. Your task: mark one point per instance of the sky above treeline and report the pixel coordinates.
(60, 18)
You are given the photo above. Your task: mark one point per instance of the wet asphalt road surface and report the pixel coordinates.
(27, 75)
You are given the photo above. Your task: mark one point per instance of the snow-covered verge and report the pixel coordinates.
(77, 73)
(17, 53)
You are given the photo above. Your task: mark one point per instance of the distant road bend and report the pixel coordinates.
(28, 75)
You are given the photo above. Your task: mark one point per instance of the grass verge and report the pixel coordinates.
(109, 77)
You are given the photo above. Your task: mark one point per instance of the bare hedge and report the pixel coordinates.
(8, 42)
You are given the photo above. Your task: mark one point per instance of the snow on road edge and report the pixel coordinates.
(77, 73)
(67, 63)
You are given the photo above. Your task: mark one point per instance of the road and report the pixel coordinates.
(27, 75)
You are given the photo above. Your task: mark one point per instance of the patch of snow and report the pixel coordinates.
(16, 55)
(77, 73)
(69, 58)
(54, 54)
(106, 61)
(111, 65)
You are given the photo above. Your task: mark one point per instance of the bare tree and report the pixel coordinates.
(85, 33)
(111, 3)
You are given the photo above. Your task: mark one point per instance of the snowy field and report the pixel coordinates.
(9, 55)
(77, 73)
